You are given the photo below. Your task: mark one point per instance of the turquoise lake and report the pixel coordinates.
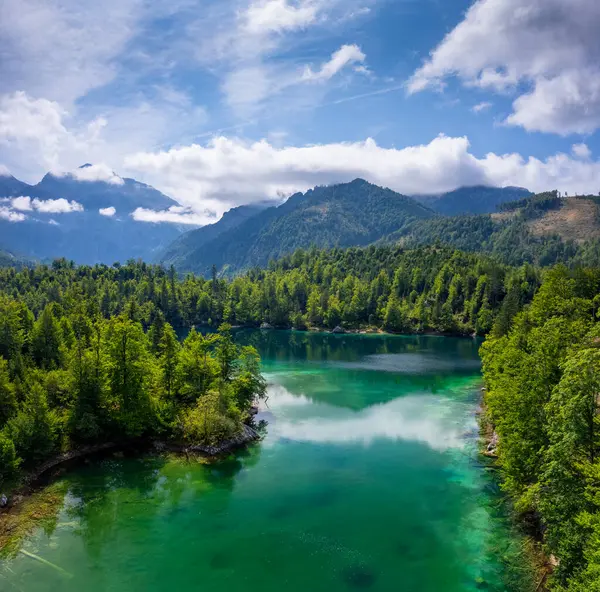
(368, 478)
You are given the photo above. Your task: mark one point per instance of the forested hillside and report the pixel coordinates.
(543, 382)
(427, 289)
(182, 251)
(70, 377)
(350, 214)
(8, 259)
(542, 230)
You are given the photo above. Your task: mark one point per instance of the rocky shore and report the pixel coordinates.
(246, 436)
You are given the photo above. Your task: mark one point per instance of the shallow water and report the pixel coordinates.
(368, 478)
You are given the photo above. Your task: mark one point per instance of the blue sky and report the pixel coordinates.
(224, 102)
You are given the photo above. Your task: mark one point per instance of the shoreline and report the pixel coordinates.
(541, 565)
(30, 482)
(362, 331)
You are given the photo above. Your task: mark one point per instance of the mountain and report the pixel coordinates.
(83, 234)
(9, 186)
(478, 199)
(180, 253)
(8, 259)
(125, 195)
(348, 214)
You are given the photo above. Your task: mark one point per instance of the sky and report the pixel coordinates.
(219, 103)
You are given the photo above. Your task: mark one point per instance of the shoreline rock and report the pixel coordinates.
(246, 436)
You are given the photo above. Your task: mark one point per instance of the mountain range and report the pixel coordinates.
(348, 214)
(90, 221)
(65, 216)
(477, 199)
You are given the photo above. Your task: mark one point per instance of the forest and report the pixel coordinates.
(399, 290)
(542, 398)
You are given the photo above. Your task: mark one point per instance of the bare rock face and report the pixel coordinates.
(266, 326)
(3, 500)
(338, 330)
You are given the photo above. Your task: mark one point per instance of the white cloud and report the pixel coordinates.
(253, 53)
(22, 204)
(4, 171)
(96, 172)
(13, 212)
(567, 103)
(278, 15)
(37, 135)
(10, 215)
(552, 46)
(174, 215)
(484, 106)
(228, 172)
(33, 126)
(108, 212)
(345, 55)
(56, 206)
(246, 87)
(581, 151)
(61, 49)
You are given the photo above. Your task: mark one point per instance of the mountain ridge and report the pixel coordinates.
(346, 214)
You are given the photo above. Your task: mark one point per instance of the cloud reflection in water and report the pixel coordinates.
(436, 421)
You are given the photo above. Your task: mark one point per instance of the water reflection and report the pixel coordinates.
(282, 346)
(438, 422)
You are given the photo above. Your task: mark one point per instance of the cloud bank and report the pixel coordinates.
(174, 215)
(229, 171)
(96, 172)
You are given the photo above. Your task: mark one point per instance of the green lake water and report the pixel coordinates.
(367, 479)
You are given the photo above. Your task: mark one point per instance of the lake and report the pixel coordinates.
(368, 478)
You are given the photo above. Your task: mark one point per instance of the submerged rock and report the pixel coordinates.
(359, 577)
